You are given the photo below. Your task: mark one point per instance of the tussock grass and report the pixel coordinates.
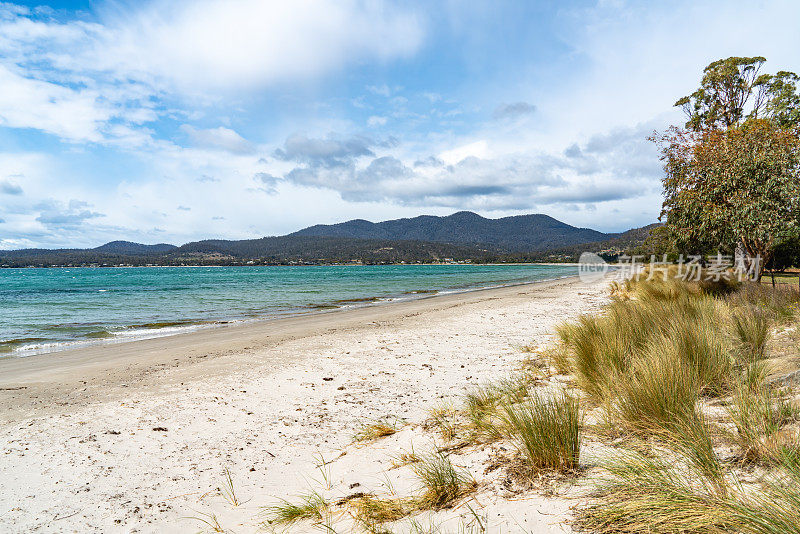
(558, 356)
(445, 419)
(546, 430)
(443, 482)
(311, 506)
(701, 345)
(760, 413)
(751, 327)
(406, 458)
(656, 352)
(647, 494)
(480, 406)
(209, 523)
(670, 323)
(376, 430)
(371, 511)
(780, 303)
(620, 290)
(658, 389)
(658, 494)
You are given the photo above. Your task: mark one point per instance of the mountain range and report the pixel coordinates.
(521, 233)
(460, 236)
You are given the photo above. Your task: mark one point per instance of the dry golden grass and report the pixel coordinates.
(376, 430)
(701, 340)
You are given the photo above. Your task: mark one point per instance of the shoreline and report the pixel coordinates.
(30, 376)
(131, 333)
(143, 332)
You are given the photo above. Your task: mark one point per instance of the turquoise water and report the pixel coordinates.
(45, 310)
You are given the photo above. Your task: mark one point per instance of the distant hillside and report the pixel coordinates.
(633, 238)
(332, 249)
(461, 236)
(126, 247)
(521, 233)
(267, 250)
(630, 241)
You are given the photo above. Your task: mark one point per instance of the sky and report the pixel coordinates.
(170, 121)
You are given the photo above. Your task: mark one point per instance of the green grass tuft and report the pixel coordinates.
(546, 430)
(443, 482)
(310, 506)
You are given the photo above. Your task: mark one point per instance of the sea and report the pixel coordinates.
(49, 310)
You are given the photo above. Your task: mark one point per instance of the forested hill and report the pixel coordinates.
(461, 236)
(521, 233)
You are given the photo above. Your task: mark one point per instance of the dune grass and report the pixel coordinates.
(545, 429)
(311, 506)
(645, 493)
(779, 304)
(670, 323)
(649, 362)
(442, 485)
(371, 513)
(482, 405)
(656, 391)
(208, 523)
(227, 490)
(375, 430)
(751, 328)
(759, 413)
(445, 418)
(671, 493)
(443, 482)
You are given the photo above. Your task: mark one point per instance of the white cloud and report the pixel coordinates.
(10, 187)
(76, 115)
(220, 138)
(478, 149)
(73, 79)
(240, 44)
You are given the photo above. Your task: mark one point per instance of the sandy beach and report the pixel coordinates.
(136, 437)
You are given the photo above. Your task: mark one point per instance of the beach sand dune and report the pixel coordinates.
(137, 437)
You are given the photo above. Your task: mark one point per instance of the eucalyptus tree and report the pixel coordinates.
(732, 173)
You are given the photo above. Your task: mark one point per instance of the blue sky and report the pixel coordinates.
(158, 121)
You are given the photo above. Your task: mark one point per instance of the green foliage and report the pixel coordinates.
(732, 91)
(735, 186)
(733, 175)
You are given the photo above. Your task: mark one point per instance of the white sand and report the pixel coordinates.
(79, 452)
